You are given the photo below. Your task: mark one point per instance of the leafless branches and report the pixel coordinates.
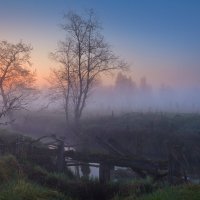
(16, 77)
(83, 58)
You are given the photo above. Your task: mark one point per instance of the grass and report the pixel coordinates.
(13, 185)
(59, 186)
(23, 190)
(185, 192)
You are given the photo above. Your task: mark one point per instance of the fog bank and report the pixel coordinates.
(106, 100)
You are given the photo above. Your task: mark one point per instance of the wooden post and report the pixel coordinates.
(104, 173)
(61, 156)
(174, 169)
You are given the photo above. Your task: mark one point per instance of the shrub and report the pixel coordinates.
(9, 168)
(35, 173)
(57, 180)
(90, 190)
(40, 175)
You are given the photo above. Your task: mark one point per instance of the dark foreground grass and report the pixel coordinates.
(23, 190)
(186, 192)
(15, 186)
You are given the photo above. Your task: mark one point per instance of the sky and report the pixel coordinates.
(160, 39)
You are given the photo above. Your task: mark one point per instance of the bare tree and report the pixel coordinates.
(16, 77)
(83, 58)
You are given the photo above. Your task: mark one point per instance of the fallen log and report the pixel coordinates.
(143, 166)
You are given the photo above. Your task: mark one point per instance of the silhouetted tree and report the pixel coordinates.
(83, 58)
(124, 82)
(16, 77)
(144, 86)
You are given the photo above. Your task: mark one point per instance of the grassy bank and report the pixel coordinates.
(184, 192)
(25, 176)
(24, 190)
(16, 183)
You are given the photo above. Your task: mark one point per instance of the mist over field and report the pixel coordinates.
(126, 96)
(106, 100)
